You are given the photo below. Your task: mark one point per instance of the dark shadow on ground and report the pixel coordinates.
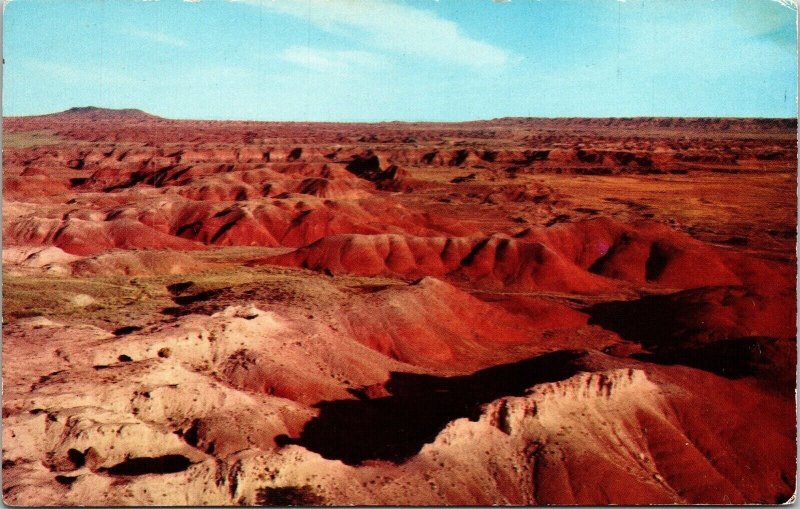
(674, 330)
(167, 464)
(732, 358)
(396, 427)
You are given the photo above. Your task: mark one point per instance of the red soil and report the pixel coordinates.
(515, 311)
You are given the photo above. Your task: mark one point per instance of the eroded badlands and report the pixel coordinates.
(516, 311)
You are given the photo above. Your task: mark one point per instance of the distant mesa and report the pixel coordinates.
(96, 113)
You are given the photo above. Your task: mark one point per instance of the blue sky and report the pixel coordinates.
(358, 60)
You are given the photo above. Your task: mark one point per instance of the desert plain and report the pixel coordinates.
(512, 311)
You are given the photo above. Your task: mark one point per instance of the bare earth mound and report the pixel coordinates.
(516, 311)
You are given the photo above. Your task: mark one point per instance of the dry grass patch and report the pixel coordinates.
(114, 301)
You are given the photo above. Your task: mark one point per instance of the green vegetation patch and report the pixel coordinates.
(113, 301)
(28, 139)
(95, 300)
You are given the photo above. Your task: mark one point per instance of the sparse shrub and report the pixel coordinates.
(26, 313)
(287, 496)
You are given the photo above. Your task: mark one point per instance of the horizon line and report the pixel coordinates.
(506, 117)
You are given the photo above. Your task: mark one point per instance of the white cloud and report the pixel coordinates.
(217, 75)
(792, 4)
(393, 27)
(330, 60)
(157, 37)
(73, 74)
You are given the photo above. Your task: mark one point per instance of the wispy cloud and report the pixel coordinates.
(771, 21)
(323, 60)
(792, 4)
(394, 27)
(157, 37)
(76, 74)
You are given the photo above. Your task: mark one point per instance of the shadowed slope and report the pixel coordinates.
(395, 427)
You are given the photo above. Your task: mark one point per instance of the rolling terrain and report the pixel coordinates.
(514, 311)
